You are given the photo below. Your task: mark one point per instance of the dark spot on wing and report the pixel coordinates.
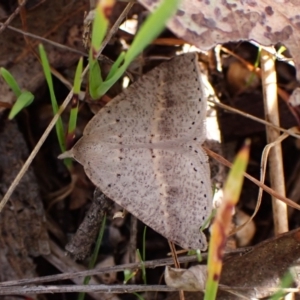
(269, 10)
(180, 13)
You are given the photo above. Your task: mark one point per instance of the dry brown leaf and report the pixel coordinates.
(192, 279)
(208, 23)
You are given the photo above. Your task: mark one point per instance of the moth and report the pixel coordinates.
(143, 150)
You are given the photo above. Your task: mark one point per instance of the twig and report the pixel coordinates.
(34, 152)
(263, 167)
(176, 263)
(246, 115)
(116, 289)
(267, 189)
(54, 289)
(269, 81)
(45, 40)
(120, 268)
(12, 16)
(58, 259)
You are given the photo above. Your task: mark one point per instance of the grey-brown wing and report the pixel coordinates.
(167, 189)
(166, 104)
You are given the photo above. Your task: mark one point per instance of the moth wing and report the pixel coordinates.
(168, 189)
(166, 104)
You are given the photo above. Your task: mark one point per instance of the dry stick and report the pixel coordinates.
(58, 259)
(176, 263)
(34, 152)
(116, 289)
(246, 115)
(54, 289)
(287, 132)
(119, 268)
(102, 58)
(263, 167)
(271, 51)
(45, 40)
(267, 189)
(55, 44)
(12, 16)
(269, 84)
(55, 118)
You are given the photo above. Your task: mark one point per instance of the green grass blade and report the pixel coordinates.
(144, 243)
(115, 66)
(207, 221)
(77, 79)
(59, 125)
(138, 296)
(95, 79)
(142, 266)
(152, 27)
(221, 225)
(74, 112)
(75, 103)
(10, 80)
(100, 26)
(23, 100)
(128, 274)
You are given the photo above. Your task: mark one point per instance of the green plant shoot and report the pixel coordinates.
(59, 125)
(24, 98)
(10, 80)
(152, 27)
